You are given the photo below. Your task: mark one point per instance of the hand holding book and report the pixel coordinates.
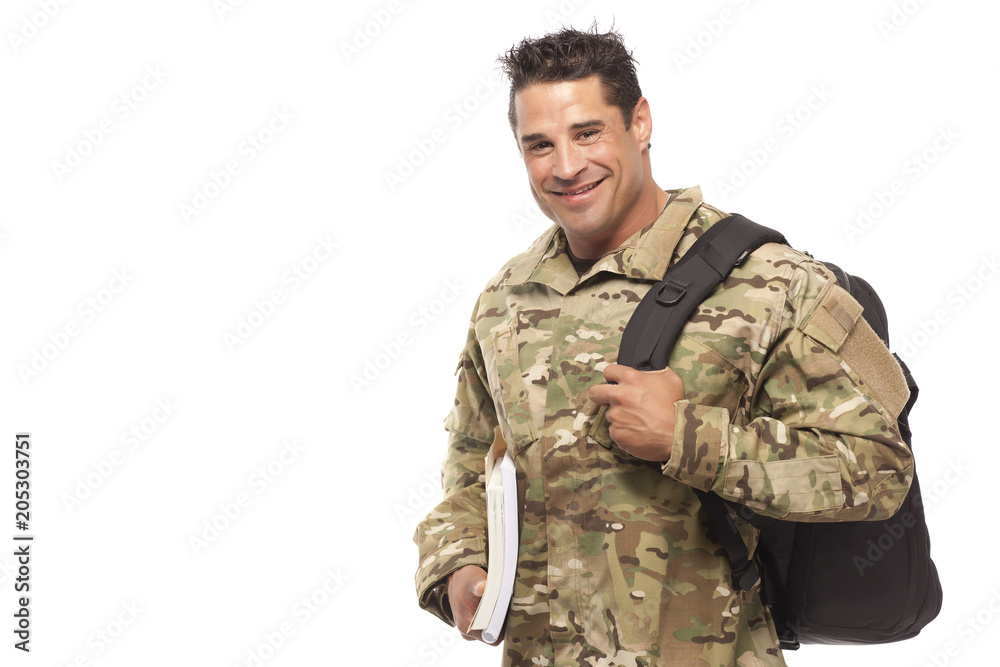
(479, 599)
(465, 590)
(502, 538)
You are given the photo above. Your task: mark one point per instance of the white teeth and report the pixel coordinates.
(591, 187)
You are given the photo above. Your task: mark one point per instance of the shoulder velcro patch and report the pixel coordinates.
(837, 324)
(868, 356)
(834, 317)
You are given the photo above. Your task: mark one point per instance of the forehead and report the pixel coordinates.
(549, 107)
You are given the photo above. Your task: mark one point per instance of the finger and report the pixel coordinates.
(475, 586)
(463, 624)
(602, 394)
(473, 635)
(473, 595)
(617, 372)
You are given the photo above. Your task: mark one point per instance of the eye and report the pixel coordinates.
(539, 146)
(589, 135)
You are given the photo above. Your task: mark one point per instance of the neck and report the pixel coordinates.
(648, 206)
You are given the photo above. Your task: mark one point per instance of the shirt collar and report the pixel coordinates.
(644, 256)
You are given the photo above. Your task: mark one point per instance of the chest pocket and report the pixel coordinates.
(709, 379)
(517, 366)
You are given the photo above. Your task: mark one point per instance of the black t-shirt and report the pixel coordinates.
(581, 265)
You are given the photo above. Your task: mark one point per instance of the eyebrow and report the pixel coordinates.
(528, 138)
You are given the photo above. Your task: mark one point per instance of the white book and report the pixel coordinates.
(502, 535)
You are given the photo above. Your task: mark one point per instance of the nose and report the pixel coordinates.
(568, 162)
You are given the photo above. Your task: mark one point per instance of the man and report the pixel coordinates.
(762, 402)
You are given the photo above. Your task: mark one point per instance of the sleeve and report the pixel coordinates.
(819, 441)
(453, 534)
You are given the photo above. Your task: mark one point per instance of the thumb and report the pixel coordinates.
(478, 589)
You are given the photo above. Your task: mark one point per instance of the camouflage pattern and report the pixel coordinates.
(617, 564)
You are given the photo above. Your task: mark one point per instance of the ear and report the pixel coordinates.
(642, 123)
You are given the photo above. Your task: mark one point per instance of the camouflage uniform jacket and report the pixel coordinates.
(790, 407)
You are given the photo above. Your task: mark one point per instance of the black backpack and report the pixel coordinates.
(856, 582)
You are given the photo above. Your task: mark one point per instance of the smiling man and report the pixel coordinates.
(618, 564)
(597, 184)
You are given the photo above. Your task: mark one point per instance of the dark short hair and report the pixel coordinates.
(569, 55)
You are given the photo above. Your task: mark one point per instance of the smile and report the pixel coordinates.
(587, 188)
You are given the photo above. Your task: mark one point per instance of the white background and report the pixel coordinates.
(114, 517)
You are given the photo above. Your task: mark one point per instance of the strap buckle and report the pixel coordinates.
(745, 575)
(789, 644)
(671, 291)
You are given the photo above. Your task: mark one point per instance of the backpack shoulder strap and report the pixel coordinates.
(744, 571)
(658, 319)
(653, 328)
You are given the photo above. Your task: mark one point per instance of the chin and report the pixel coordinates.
(584, 227)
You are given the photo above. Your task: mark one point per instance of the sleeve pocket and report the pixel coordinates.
(797, 485)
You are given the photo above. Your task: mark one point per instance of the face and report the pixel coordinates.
(587, 172)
